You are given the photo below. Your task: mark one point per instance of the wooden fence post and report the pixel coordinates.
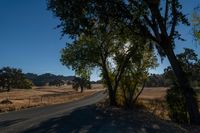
(29, 101)
(41, 99)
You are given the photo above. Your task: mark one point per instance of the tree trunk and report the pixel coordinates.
(188, 92)
(112, 93)
(135, 99)
(81, 88)
(112, 98)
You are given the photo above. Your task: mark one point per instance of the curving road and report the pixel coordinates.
(22, 121)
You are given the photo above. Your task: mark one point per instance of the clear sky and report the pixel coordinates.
(29, 40)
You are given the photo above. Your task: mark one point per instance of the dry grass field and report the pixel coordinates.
(153, 98)
(158, 93)
(152, 93)
(40, 96)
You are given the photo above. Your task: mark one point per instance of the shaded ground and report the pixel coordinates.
(94, 120)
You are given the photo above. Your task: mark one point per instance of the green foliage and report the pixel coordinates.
(13, 78)
(100, 40)
(107, 49)
(24, 84)
(177, 105)
(196, 23)
(80, 16)
(135, 76)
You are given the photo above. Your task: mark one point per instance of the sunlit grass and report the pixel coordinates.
(22, 98)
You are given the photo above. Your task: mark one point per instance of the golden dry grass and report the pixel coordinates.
(151, 93)
(40, 96)
(153, 98)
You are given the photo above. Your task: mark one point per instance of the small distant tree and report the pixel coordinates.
(80, 83)
(24, 84)
(13, 78)
(56, 82)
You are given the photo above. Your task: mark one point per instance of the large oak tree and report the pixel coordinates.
(155, 20)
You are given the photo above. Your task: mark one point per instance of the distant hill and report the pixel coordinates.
(30, 76)
(44, 79)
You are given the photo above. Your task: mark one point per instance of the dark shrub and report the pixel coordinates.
(176, 104)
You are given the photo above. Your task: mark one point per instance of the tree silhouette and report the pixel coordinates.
(82, 83)
(56, 82)
(13, 78)
(191, 65)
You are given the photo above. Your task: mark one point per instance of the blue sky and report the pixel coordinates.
(29, 40)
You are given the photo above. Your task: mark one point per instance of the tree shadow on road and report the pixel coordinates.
(92, 120)
(7, 123)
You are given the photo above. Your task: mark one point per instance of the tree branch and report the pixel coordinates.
(154, 28)
(166, 12)
(121, 69)
(139, 92)
(174, 12)
(154, 8)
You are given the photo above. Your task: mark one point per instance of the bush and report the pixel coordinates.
(176, 104)
(26, 84)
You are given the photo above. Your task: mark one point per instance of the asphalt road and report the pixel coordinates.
(22, 121)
